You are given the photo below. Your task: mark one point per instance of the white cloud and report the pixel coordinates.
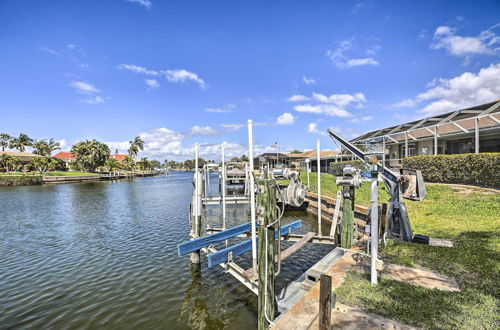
(84, 87)
(94, 100)
(138, 69)
(175, 76)
(465, 90)
(226, 109)
(323, 109)
(361, 61)
(285, 119)
(313, 129)
(487, 42)
(232, 127)
(145, 3)
(297, 98)
(331, 105)
(152, 83)
(342, 100)
(358, 120)
(237, 126)
(340, 58)
(308, 80)
(183, 76)
(203, 130)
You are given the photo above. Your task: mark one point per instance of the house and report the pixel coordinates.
(25, 157)
(298, 160)
(272, 159)
(67, 157)
(119, 158)
(471, 130)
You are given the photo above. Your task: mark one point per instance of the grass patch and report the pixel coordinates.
(68, 173)
(329, 188)
(470, 218)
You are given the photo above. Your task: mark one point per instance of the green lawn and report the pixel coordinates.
(470, 217)
(329, 188)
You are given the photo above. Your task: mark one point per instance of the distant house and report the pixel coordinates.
(119, 158)
(298, 160)
(272, 159)
(472, 130)
(67, 157)
(25, 157)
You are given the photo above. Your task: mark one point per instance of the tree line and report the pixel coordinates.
(89, 155)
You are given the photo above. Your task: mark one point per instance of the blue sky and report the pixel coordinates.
(179, 72)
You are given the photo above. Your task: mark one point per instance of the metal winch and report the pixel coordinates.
(295, 193)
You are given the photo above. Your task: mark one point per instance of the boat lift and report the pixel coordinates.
(263, 194)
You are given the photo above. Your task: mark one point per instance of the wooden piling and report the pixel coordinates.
(325, 302)
(266, 210)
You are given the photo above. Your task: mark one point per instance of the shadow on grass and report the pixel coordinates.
(473, 262)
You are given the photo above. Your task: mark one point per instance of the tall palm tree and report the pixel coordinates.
(53, 146)
(40, 147)
(136, 145)
(5, 140)
(20, 143)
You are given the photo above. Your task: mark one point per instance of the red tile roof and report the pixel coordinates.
(119, 158)
(64, 155)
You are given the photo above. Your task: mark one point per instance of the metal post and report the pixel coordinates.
(223, 174)
(374, 226)
(308, 170)
(435, 140)
(319, 188)
(406, 144)
(196, 221)
(383, 151)
(252, 195)
(476, 121)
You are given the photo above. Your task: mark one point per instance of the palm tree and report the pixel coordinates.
(5, 140)
(20, 143)
(53, 146)
(40, 147)
(5, 161)
(136, 145)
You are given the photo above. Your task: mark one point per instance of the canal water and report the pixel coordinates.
(103, 255)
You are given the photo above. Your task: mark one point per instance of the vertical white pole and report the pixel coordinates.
(476, 121)
(223, 175)
(406, 145)
(308, 170)
(252, 196)
(196, 180)
(383, 151)
(319, 188)
(435, 140)
(374, 229)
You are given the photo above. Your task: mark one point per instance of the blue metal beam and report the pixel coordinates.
(205, 241)
(240, 248)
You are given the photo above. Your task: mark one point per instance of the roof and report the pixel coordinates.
(447, 123)
(22, 155)
(272, 155)
(119, 158)
(64, 155)
(313, 154)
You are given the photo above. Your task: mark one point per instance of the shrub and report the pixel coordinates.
(337, 168)
(480, 169)
(20, 180)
